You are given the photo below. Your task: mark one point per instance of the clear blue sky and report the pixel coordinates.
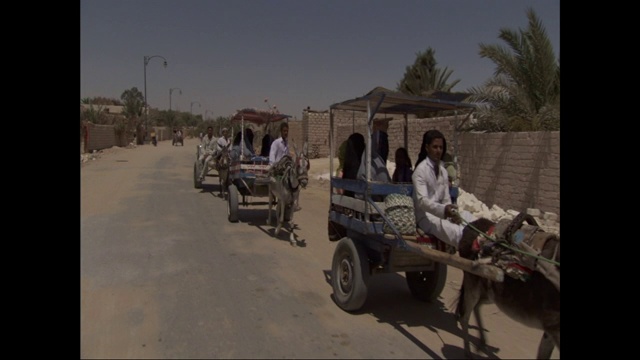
(231, 54)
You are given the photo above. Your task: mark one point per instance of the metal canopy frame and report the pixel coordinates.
(258, 117)
(392, 102)
(255, 116)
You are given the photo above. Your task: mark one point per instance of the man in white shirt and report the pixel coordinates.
(280, 146)
(221, 143)
(435, 214)
(208, 145)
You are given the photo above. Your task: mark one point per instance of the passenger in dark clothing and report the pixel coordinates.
(248, 139)
(353, 157)
(403, 171)
(247, 149)
(379, 171)
(266, 145)
(381, 141)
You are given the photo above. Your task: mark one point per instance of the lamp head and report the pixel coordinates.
(165, 63)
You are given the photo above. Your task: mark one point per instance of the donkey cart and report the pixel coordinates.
(221, 165)
(366, 216)
(248, 176)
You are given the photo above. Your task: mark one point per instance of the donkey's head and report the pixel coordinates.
(224, 160)
(302, 164)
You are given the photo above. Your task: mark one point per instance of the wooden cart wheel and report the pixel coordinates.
(197, 168)
(349, 274)
(427, 285)
(232, 203)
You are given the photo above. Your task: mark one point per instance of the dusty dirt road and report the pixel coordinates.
(165, 275)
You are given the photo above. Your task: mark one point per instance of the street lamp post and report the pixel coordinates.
(191, 109)
(170, 91)
(146, 106)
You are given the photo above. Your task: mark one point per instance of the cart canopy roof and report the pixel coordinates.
(398, 103)
(257, 116)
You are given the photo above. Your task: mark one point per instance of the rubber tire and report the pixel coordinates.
(349, 275)
(232, 204)
(197, 168)
(427, 285)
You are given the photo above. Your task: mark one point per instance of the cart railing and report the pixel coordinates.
(371, 187)
(368, 217)
(365, 215)
(256, 167)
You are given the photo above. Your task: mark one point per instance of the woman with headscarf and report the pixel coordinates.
(353, 156)
(379, 171)
(247, 149)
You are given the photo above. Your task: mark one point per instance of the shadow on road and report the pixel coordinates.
(390, 302)
(258, 218)
(213, 189)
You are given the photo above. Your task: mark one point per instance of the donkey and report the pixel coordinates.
(286, 177)
(222, 166)
(534, 302)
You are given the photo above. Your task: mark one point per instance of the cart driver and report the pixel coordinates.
(280, 146)
(435, 214)
(221, 143)
(208, 146)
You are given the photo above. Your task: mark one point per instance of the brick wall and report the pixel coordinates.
(295, 134)
(513, 170)
(100, 137)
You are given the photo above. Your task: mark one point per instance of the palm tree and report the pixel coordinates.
(133, 101)
(423, 76)
(92, 114)
(524, 93)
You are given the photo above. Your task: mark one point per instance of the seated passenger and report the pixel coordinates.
(236, 148)
(353, 156)
(248, 140)
(379, 171)
(208, 144)
(404, 170)
(221, 143)
(267, 140)
(435, 214)
(342, 151)
(280, 146)
(382, 142)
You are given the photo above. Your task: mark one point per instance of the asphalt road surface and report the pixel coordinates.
(164, 275)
